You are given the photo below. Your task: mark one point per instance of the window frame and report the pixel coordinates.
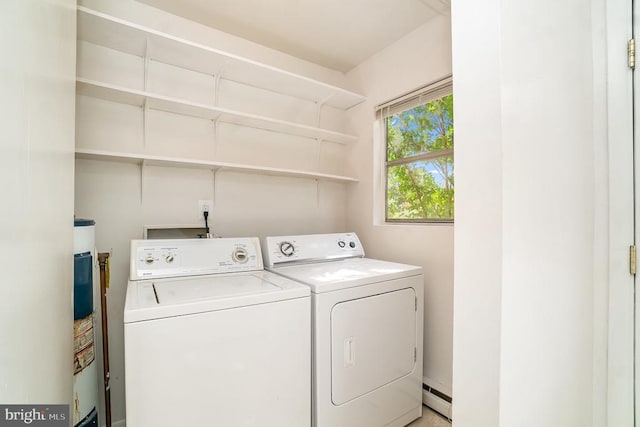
(421, 96)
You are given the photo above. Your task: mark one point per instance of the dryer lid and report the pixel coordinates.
(154, 299)
(347, 273)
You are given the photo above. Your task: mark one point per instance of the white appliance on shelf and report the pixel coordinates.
(367, 329)
(213, 339)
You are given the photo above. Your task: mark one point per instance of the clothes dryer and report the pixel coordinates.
(367, 329)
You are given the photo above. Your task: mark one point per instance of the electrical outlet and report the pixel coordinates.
(204, 206)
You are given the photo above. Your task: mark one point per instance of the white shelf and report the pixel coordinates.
(99, 28)
(173, 105)
(203, 164)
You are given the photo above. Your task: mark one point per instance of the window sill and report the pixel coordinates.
(414, 224)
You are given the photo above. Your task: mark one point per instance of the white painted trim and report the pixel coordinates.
(378, 173)
(120, 423)
(438, 385)
(620, 358)
(437, 404)
(433, 401)
(632, 302)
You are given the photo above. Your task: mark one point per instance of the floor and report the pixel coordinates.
(430, 419)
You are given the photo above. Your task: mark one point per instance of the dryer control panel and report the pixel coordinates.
(311, 248)
(190, 257)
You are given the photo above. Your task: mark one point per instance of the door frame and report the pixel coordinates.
(620, 359)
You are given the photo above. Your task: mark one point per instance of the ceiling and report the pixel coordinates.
(337, 34)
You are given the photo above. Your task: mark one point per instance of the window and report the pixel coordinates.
(418, 166)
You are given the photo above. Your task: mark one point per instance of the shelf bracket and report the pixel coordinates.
(147, 58)
(319, 165)
(319, 105)
(215, 136)
(216, 82)
(143, 165)
(213, 196)
(145, 111)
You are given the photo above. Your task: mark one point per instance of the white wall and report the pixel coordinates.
(478, 237)
(413, 61)
(123, 197)
(531, 232)
(37, 87)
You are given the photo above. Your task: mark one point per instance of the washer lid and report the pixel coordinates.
(154, 299)
(347, 273)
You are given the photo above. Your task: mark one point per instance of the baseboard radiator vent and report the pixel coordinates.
(436, 400)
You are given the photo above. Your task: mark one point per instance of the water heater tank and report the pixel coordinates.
(85, 377)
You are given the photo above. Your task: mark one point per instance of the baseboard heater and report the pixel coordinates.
(436, 400)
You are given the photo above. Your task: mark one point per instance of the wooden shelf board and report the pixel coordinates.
(118, 34)
(138, 98)
(204, 164)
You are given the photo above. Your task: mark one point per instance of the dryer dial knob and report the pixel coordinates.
(240, 255)
(287, 249)
(341, 243)
(169, 258)
(149, 259)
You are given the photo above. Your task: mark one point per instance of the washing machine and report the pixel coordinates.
(366, 329)
(211, 339)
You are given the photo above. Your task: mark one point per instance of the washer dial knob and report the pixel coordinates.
(240, 255)
(169, 258)
(287, 249)
(149, 259)
(341, 243)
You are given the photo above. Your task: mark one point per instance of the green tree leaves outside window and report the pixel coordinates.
(420, 179)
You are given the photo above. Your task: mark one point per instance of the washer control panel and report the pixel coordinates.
(158, 257)
(188, 257)
(311, 248)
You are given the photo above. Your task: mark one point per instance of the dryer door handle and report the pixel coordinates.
(349, 352)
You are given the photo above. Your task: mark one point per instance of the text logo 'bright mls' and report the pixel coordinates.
(36, 415)
(27, 417)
